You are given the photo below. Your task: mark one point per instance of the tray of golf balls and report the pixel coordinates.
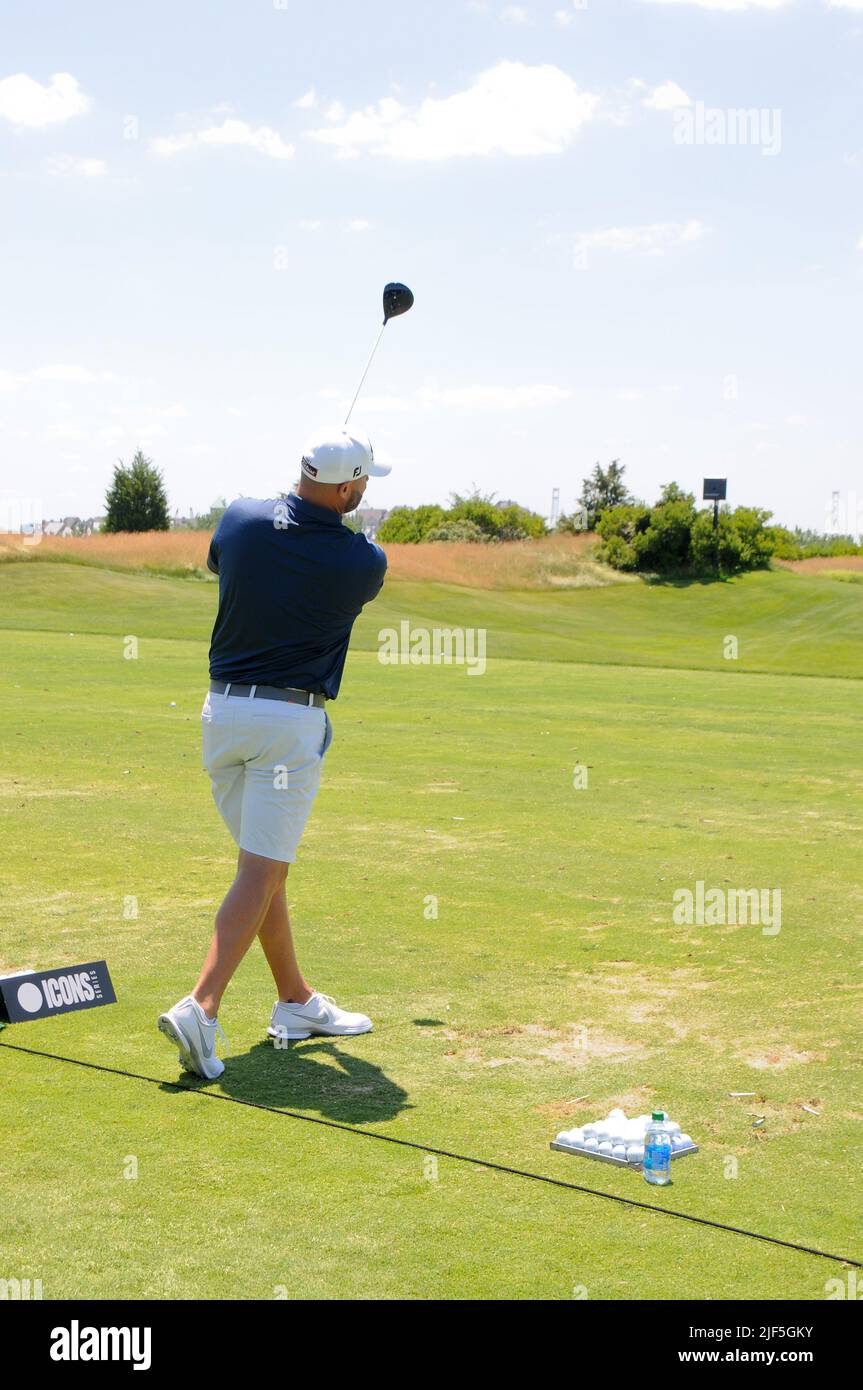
(619, 1140)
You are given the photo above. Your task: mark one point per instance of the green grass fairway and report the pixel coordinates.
(553, 969)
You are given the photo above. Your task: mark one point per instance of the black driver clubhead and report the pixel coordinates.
(397, 300)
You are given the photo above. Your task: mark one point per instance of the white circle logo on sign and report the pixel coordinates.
(30, 998)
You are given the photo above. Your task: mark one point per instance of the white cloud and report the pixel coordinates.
(229, 133)
(844, 4)
(727, 4)
(72, 374)
(510, 109)
(515, 15)
(667, 97)
(628, 395)
(25, 102)
(477, 397)
(564, 18)
(65, 431)
(309, 225)
(499, 397)
(359, 224)
(653, 239)
(308, 100)
(335, 111)
(65, 166)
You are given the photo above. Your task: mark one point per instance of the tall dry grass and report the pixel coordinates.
(819, 564)
(557, 561)
(162, 552)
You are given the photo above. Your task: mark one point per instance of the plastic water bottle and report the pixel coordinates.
(657, 1150)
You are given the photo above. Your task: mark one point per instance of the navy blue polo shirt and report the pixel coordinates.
(292, 581)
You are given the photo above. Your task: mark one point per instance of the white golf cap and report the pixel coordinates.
(332, 455)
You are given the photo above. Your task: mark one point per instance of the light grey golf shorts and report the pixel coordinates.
(264, 758)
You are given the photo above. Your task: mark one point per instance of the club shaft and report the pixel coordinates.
(366, 369)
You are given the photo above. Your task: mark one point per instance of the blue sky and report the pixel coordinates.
(202, 202)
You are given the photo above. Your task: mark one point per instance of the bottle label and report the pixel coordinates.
(657, 1157)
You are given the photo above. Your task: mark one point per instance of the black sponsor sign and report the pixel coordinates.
(41, 993)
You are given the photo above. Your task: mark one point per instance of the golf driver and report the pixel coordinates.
(397, 300)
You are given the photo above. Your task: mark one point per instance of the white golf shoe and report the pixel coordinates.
(187, 1027)
(320, 1015)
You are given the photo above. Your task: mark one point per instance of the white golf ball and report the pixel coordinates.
(635, 1153)
(685, 1140)
(605, 1146)
(618, 1151)
(576, 1136)
(592, 1143)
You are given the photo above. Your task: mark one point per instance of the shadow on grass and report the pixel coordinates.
(302, 1077)
(685, 581)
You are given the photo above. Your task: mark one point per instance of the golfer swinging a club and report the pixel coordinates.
(292, 581)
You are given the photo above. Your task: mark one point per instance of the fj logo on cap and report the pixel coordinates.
(309, 467)
(357, 471)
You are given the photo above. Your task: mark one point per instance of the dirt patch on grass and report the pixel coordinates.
(779, 1057)
(587, 1044)
(636, 1101)
(669, 998)
(12, 787)
(575, 1045)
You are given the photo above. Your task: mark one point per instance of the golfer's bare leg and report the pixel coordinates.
(238, 922)
(278, 943)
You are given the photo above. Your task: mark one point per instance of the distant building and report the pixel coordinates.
(73, 526)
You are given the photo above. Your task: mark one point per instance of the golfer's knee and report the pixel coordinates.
(264, 875)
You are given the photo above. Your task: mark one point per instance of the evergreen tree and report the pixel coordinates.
(136, 499)
(603, 490)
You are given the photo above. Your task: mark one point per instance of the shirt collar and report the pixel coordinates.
(313, 512)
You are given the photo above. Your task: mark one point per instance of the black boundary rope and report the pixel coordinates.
(442, 1153)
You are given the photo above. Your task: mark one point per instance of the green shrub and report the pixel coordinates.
(410, 524)
(754, 536)
(517, 523)
(458, 529)
(664, 544)
(674, 538)
(706, 543)
(479, 517)
(619, 553)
